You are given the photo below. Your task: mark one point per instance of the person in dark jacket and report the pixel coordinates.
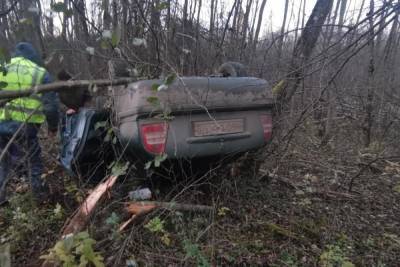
(24, 116)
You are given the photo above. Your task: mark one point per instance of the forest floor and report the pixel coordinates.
(297, 211)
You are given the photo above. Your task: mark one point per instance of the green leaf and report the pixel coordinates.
(58, 211)
(119, 168)
(109, 135)
(158, 159)
(113, 219)
(104, 44)
(277, 89)
(116, 37)
(100, 124)
(58, 7)
(170, 79)
(155, 225)
(68, 242)
(68, 13)
(162, 5)
(148, 165)
(154, 87)
(153, 100)
(3, 84)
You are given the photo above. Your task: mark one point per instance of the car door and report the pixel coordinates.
(85, 150)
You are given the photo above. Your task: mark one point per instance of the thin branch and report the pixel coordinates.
(11, 8)
(61, 86)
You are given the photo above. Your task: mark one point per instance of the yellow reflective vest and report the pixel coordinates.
(22, 74)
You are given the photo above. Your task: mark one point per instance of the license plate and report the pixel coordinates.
(206, 128)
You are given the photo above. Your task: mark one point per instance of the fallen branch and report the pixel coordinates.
(126, 223)
(281, 180)
(82, 215)
(61, 86)
(141, 208)
(334, 194)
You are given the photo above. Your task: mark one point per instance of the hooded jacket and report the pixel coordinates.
(50, 100)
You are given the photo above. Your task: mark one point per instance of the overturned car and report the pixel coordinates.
(186, 118)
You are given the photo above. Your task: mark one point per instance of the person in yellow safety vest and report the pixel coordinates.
(23, 72)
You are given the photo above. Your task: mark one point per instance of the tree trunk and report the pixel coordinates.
(298, 22)
(333, 21)
(115, 14)
(381, 26)
(106, 15)
(342, 13)
(31, 31)
(245, 27)
(368, 122)
(282, 33)
(80, 25)
(303, 20)
(251, 33)
(212, 19)
(258, 28)
(304, 48)
(155, 25)
(196, 65)
(124, 25)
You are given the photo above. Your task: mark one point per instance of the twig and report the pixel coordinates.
(281, 180)
(334, 194)
(5, 12)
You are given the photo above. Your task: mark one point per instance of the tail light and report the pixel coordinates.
(266, 122)
(154, 137)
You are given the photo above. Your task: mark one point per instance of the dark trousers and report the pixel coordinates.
(24, 152)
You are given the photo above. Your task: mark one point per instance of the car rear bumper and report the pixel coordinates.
(182, 142)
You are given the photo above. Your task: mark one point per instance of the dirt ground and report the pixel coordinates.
(307, 206)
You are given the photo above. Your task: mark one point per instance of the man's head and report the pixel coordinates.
(27, 51)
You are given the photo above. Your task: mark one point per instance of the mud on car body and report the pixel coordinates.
(191, 118)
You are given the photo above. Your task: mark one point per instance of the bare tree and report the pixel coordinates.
(260, 19)
(304, 48)
(368, 122)
(283, 28)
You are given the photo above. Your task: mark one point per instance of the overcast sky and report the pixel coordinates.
(274, 10)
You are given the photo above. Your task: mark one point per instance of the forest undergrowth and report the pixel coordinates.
(310, 205)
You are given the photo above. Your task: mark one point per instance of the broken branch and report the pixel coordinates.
(144, 207)
(61, 86)
(81, 217)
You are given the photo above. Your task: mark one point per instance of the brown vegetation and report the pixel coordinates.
(328, 189)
